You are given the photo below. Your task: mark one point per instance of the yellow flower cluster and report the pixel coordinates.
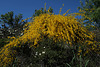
(59, 27)
(26, 19)
(11, 37)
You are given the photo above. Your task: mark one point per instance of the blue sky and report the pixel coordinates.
(27, 7)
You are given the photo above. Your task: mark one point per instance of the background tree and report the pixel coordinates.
(91, 9)
(11, 26)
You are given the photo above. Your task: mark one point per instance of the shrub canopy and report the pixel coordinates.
(58, 27)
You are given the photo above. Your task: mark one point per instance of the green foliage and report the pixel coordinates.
(90, 60)
(3, 42)
(97, 33)
(51, 54)
(42, 11)
(48, 53)
(11, 26)
(91, 8)
(56, 54)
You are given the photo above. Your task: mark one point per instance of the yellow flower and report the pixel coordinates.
(63, 4)
(22, 20)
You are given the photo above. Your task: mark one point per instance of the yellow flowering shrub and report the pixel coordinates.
(89, 23)
(59, 27)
